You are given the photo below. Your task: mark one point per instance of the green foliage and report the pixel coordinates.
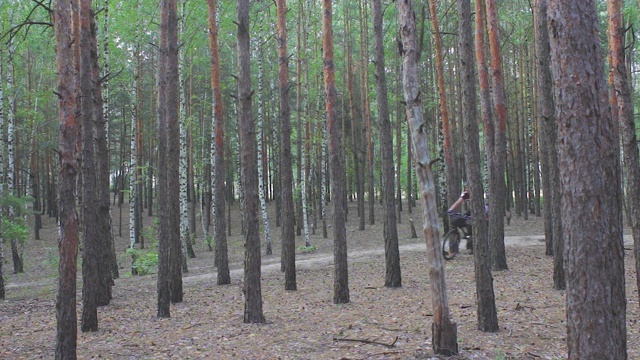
(145, 261)
(15, 229)
(307, 249)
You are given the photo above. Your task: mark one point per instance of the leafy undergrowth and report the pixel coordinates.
(378, 323)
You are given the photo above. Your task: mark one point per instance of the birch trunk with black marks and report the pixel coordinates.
(261, 154)
(183, 163)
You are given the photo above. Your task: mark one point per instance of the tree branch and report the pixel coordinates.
(367, 341)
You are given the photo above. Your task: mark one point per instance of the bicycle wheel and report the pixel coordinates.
(450, 244)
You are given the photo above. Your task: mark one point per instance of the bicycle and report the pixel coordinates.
(460, 229)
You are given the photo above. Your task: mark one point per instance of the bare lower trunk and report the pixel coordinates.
(444, 332)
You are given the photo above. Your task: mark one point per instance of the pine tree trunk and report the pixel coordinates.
(66, 318)
(498, 193)
(551, 173)
(393, 277)
(107, 259)
(622, 93)
(90, 246)
(341, 274)
(453, 186)
(486, 314)
(288, 259)
(444, 331)
(589, 162)
(173, 150)
(217, 154)
(104, 155)
(252, 286)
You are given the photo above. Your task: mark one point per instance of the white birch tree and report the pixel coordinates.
(11, 99)
(2, 147)
(183, 165)
(263, 201)
(133, 159)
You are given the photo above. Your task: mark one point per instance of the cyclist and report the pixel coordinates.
(459, 220)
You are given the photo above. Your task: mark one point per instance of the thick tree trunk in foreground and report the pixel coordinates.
(444, 332)
(252, 258)
(338, 184)
(590, 174)
(487, 314)
(67, 328)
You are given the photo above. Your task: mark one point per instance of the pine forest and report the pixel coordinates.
(318, 179)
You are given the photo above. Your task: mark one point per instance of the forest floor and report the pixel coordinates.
(378, 323)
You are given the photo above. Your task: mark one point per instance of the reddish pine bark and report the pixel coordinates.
(286, 170)
(220, 234)
(589, 162)
(338, 184)
(66, 334)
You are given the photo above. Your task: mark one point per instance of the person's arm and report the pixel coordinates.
(456, 204)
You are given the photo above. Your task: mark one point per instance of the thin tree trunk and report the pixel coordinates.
(341, 274)
(453, 185)
(261, 154)
(217, 153)
(486, 314)
(286, 172)
(12, 176)
(2, 146)
(551, 173)
(104, 155)
(183, 163)
(621, 91)
(496, 209)
(107, 259)
(249, 179)
(90, 253)
(393, 277)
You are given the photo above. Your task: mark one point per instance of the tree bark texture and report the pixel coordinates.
(498, 192)
(622, 93)
(66, 318)
(288, 257)
(91, 250)
(453, 181)
(393, 275)
(249, 173)
(550, 171)
(444, 332)
(588, 147)
(173, 150)
(217, 153)
(336, 159)
(487, 314)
